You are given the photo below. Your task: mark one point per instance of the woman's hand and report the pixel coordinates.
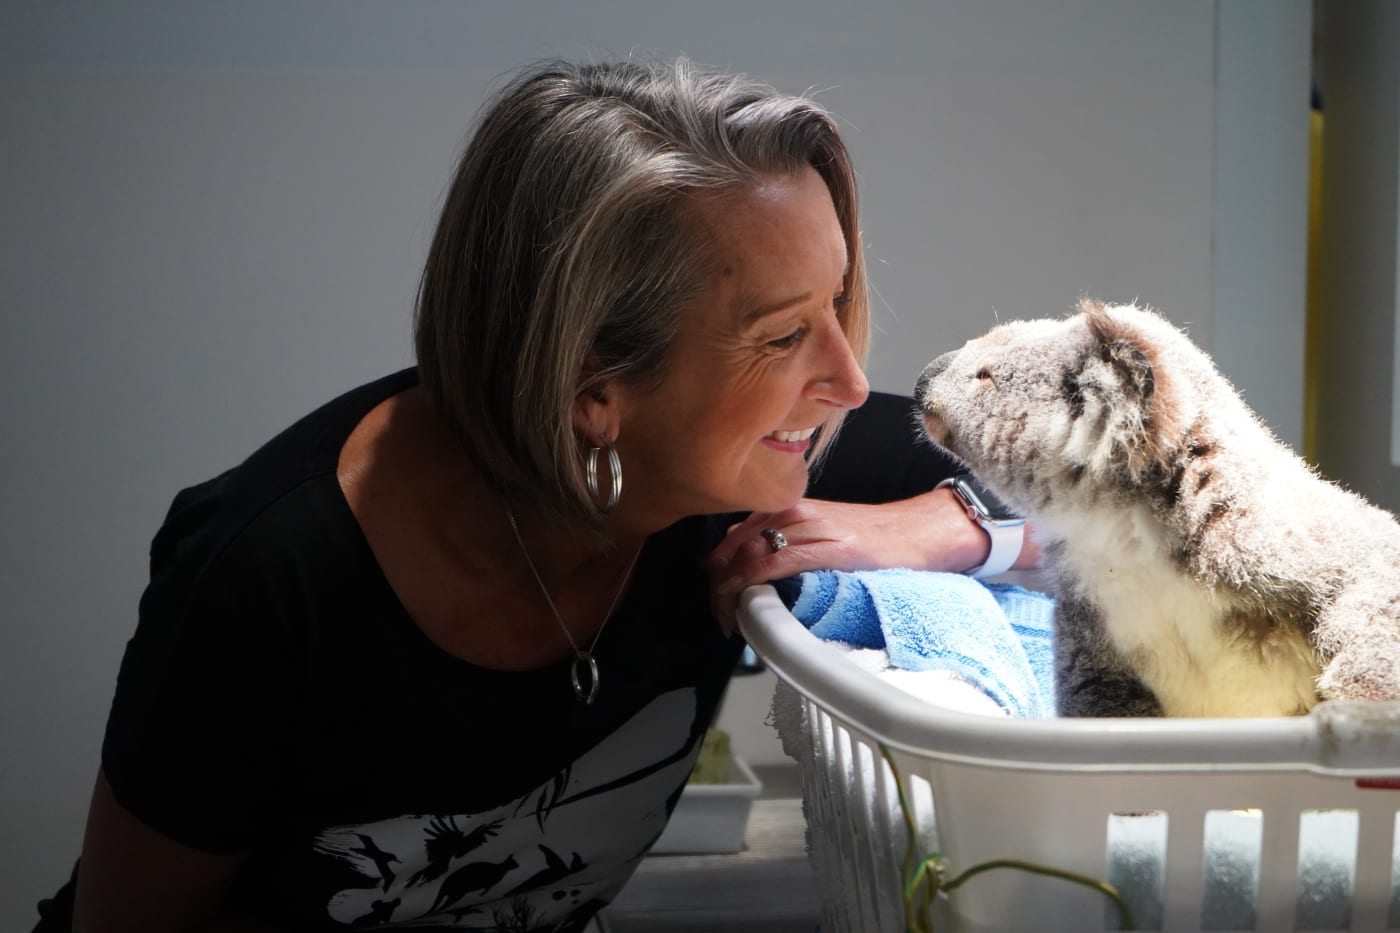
(927, 532)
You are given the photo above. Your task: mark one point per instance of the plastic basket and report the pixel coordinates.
(1084, 796)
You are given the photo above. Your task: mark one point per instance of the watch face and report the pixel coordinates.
(985, 501)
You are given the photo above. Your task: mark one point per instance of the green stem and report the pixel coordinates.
(1125, 913)
(928, 876)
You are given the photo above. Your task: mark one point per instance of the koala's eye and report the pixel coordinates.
(984, 373)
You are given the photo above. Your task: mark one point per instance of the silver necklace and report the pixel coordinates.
(582, 659)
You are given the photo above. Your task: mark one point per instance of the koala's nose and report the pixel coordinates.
(930, 373)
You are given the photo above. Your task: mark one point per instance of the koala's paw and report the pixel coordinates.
(1362, 674)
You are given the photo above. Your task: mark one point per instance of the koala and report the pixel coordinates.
(1202, 568)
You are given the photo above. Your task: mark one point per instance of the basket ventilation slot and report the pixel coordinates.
(1313, 876)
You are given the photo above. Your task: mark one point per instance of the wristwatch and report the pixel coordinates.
(1006, 529)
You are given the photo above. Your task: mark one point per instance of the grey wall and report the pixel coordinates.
(1358, 349)
(212, 217)
(1259, 231)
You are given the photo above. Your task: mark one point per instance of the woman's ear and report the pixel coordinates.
(597, 413)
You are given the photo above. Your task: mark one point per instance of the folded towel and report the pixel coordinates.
(939, 687)
(996, 636)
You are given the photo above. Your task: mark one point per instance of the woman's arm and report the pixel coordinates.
(926, 532)
(873, 505)
(133, 879)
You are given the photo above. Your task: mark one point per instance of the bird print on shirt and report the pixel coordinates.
(380, 859)
(545, 861)
(446, 842)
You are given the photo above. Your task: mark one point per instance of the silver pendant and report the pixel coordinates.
(589, 695)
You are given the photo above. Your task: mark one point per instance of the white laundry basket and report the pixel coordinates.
(1085, 796)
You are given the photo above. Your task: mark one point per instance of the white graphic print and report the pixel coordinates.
(531, 864)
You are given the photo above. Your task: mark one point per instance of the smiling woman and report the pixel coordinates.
(761, 361)
(593, 276)
(442, 653)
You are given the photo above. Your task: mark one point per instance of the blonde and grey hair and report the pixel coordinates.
(568, 245)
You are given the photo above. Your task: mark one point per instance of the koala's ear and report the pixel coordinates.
(1132, 363)
(1126, 349)
(1132, 355)
(1088, 305)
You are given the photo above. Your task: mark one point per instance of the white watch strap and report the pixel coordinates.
(1006, 547)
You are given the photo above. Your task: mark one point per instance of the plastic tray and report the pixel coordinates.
(711, 818)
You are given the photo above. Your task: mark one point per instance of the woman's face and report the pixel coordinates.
(760, 362)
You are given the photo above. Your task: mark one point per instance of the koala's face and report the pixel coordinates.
(1036, 406)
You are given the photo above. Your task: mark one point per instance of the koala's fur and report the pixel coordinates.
(1203, 568)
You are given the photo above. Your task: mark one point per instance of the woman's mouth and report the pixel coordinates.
(791, 442)
(792, 437)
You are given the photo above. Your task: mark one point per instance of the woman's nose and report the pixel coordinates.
(843, 383)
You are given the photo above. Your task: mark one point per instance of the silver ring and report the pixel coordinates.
(776, 540)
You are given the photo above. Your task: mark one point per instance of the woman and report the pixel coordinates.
(441, 653)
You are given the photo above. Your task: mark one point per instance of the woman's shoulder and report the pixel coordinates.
(283, 491)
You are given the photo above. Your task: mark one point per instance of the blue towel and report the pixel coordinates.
(996, 636)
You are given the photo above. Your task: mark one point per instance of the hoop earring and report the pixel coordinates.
(614, 471)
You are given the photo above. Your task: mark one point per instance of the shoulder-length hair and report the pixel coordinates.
(564, 253)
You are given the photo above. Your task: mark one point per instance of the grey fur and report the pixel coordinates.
(1203, 568)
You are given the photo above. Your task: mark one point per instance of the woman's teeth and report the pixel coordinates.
(792, 437)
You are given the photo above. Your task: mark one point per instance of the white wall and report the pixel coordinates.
(212, 217)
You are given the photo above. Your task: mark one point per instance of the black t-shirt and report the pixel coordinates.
(277, 699)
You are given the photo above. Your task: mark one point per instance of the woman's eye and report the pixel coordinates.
(790, 341)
